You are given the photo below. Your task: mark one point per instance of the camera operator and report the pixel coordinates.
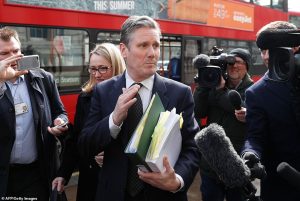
(213, 103)
(273, 134)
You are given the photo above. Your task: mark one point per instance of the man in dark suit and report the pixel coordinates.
(30, 108)
(272, 128)
(107, 125)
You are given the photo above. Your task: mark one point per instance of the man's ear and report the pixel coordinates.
(123, 50)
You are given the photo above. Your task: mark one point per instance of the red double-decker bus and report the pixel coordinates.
(62, 33)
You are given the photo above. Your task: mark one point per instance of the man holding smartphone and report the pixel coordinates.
(30, 110)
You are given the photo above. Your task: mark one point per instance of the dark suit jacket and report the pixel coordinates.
(88, 169)
(46, 107)
(96, 134)
(273, 134)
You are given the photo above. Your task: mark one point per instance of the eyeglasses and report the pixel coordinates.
(100, 69)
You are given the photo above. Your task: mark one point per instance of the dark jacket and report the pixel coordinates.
(88, 169)
(113, 177)
(215, 105)
(46, 108)
(273, 134)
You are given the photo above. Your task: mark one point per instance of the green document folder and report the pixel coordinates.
(139, 142)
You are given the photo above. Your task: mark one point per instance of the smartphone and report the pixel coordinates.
(61, 125)
(29, 62)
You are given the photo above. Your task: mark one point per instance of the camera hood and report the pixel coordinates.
(269, 39)
(282, 65)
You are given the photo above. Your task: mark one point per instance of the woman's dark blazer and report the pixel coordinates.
(88, 169)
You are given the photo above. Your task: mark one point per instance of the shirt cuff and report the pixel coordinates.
(114, 129)
(181, 183)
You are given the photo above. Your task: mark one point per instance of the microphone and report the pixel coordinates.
(219, 153)
(235, 99)
(201, 60)
(269, 39)
(290, 174)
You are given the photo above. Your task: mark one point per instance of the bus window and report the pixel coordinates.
(191, 48)
(112, 37)
(174, 68)
(63, 52)
(228, 45)
(295, 20)
(170, 48)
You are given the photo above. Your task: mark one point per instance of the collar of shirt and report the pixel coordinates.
(18, 80)
(147, 83)
(14, 86)
(145, 92)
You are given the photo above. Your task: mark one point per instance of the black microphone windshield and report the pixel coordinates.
(235, 99)
(278, 38)
(219, 153)
(290, 174)
(201, 60)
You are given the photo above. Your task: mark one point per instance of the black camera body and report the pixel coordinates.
(222, 60)
(212, 68)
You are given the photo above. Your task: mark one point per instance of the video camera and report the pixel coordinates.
(284, 63)
(212, 68)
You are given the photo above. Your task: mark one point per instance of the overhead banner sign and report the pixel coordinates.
(231, 15)
(220, 13)
(187, 10)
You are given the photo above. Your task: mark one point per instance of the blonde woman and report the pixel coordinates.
(105, 62)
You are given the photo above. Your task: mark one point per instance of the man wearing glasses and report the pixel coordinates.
(214, 104)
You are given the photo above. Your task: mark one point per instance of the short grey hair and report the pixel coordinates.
(136, 22)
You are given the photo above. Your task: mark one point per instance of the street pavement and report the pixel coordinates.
(193, 193)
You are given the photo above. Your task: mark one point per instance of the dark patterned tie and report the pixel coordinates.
(135, 113)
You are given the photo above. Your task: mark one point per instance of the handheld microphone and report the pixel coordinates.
(201, 60)
(290, 174)
(219, 153)
(269, 39)
(235, 99)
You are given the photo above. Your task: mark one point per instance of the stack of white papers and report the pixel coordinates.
(166, 141)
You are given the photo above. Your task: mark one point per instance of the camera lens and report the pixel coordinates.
(230, 59)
